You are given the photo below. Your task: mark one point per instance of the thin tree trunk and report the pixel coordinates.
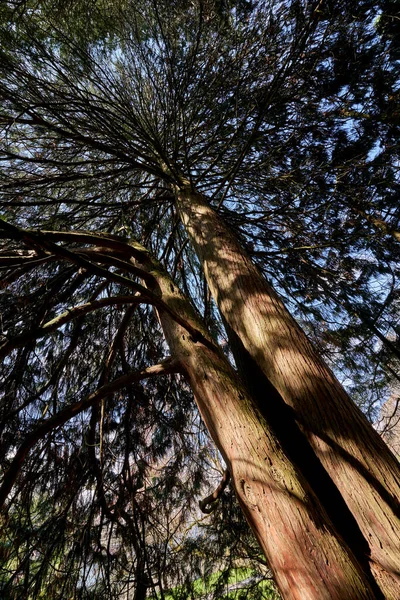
(309, 560)
(353, 454)
(141, 581)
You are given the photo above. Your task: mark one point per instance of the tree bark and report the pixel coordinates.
(309, 560)
(353, 454)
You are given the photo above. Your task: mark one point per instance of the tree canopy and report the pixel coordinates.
(285, 116)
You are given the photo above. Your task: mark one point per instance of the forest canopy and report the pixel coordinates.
(199, 224)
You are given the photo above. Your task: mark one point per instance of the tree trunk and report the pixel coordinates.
(309, 560)
(142, 583)
(353, 454)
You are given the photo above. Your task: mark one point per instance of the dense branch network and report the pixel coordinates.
(284, 115)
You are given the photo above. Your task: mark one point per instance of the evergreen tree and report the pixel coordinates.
(239, 143)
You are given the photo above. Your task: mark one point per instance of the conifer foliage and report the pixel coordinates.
(191, 192)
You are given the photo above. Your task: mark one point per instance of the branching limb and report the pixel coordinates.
(170, 365)
(37, 240)
(65, 317)
(209, 504)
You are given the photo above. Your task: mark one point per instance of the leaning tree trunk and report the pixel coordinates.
(276, 351)
(309, 560)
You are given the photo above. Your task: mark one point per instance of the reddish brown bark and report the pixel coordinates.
(357, 460)
(309, 560)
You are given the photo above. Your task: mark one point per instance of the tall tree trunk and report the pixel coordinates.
(276, 349)
(309, 560)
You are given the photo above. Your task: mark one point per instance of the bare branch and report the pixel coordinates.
(209, 504)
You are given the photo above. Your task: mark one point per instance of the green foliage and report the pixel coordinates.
(230, 581)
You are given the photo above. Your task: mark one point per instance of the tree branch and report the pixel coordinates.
(170, 365)
(69, 315)
(209, 504)
(38, 240)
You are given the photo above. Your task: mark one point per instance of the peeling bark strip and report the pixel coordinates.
(309, 560)
(355, 457)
